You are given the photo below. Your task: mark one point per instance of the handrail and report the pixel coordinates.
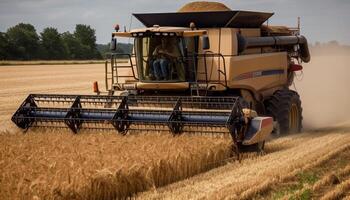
(221, 70)
(114, 68)
(114, 57)
(106, 75)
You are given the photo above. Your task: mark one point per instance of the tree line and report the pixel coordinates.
(22, 42)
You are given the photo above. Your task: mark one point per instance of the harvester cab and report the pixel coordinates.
(218, 72)
(164, 59)
(160, 53)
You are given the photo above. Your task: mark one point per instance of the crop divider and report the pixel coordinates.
(23, 121)
(175, 121)
(72, 118)
(120, 118)
(234, 125)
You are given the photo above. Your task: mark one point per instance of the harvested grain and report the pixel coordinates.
(201, 6)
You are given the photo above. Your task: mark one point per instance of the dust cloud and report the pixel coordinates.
(324, 87)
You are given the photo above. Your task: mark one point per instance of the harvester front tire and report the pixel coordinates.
(285, 107)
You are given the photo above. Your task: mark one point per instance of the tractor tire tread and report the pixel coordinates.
(278, 106)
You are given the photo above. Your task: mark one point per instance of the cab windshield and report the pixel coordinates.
(163, 59)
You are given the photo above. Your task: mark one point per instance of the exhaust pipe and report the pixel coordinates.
(256, 42)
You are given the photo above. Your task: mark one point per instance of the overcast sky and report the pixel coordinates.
(321, 20)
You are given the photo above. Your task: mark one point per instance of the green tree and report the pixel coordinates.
(104, 49)
(4, 46)
(73, 46)
(24, 41)
(52, 44)
(87, 37)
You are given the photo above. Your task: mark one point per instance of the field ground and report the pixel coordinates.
(287, 159)
(51, 164)
(49, 62)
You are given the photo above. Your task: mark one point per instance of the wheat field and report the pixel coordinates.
(56, 164)
(284, 159)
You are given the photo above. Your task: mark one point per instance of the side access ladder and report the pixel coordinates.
(113, 74)
(221, 72)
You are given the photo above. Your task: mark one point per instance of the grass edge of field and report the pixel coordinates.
(298, 188)
(54, 62)
(50, 62)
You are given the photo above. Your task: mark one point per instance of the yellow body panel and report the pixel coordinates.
(257, 63)
(224, 41)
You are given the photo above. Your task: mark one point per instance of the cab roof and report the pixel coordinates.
(210, 19)
(161, 29)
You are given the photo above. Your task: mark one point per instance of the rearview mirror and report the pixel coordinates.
(205, 42)
(113, 45)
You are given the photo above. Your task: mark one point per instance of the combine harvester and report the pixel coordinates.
(203, 69)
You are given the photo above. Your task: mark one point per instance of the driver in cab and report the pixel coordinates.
(163, 54)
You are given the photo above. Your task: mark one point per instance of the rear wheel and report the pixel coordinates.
(285, 107)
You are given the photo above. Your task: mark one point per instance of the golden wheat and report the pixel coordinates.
(326, 180)
(345, 172)
(338, 192)
(100, 166)
(45, 164)
(253, 176)
(56, 164)
(259, 189)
